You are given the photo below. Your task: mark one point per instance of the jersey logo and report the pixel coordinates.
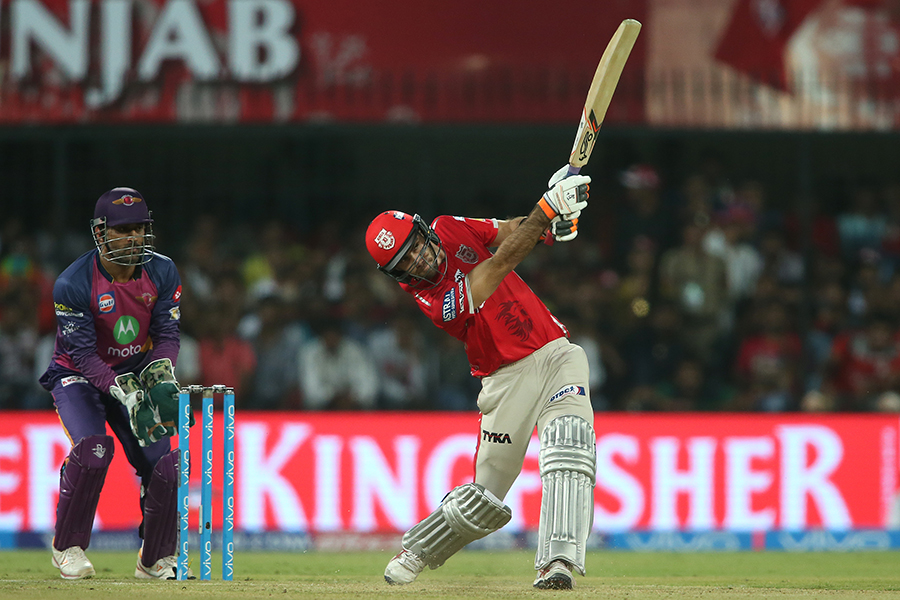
(385, 239)
(126, 329)
(175, 313)
(467, 255)
(569, 390)
(127, 200)
(147, 297)
(497, 438)
(106, 302)
(177, 295)
(448, 309)
(516, 319)
(66, 381)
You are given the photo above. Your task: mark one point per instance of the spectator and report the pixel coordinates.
(768, 361)
(336, 372)
(400, 354)
(225, 359)
(698, 282)
(276, 342)
(864, 365)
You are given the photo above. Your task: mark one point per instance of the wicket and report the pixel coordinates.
(184, 453)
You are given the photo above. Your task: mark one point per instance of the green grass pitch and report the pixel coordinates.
(477, 575)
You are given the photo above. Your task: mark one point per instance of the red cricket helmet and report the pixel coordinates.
(390, 237)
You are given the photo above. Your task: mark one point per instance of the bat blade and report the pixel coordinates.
(606, 78)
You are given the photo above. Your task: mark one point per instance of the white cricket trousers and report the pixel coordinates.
(516, 398)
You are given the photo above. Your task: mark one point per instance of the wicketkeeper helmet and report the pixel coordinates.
(122, 206)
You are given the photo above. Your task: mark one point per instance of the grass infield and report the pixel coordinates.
(477, 575)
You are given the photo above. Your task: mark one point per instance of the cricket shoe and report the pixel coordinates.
(165, 568)
(555, 576)
(72, 563)
(403, 568)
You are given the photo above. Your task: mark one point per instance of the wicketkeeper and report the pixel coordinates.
(117, 309)
(531, 376)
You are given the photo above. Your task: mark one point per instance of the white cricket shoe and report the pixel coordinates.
(163, 569)
(555, 576)
(72, 563)
(403, 568)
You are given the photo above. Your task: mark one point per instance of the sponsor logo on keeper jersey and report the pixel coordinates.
(70, 327)
(467, 255)
(495, 438)
(569, 390)
(127, 200)
(448, 309)
(64, 311)
(177, 295)
(126, 329)
(106, 302)
(175, 313)
(72, 379)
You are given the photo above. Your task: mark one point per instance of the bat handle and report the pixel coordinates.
(574, 170)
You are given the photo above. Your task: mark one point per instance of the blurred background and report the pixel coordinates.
(740, 252)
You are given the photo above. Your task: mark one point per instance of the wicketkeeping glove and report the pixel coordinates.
(566, 197)
(143, 415)
(158, 379)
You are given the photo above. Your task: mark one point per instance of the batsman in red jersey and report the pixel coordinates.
(531, 375)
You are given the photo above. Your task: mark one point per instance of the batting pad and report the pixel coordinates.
(567, 462)
(469, 512)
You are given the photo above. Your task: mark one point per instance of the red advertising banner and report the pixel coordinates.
(382, 472)
(82, 61)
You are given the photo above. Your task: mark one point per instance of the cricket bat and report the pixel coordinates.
(606, 78)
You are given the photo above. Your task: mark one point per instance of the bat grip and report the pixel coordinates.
(574, 170)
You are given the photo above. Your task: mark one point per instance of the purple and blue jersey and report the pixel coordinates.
(106, 328)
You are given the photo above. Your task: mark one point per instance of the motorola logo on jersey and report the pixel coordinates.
(123, 352)
(126, 329)
(496, 438)
(106, 302)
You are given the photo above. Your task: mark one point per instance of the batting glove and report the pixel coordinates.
(566, 197)
(143, 415)
(158, 379)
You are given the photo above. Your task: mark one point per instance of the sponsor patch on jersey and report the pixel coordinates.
(106, 302)
(64, 311)
(126, 329)
(448, 309)
(72, 379)
(177, 295)
(70, 327)
(569, 390)
(467, 255)
(175, 313)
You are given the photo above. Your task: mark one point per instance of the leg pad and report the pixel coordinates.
(469, 512)
(568, 463)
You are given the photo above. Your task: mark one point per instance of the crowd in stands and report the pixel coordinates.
(698, 294)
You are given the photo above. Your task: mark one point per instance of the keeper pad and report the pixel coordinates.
(469, 512)
(567, 462)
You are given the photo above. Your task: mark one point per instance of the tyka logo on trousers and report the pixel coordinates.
(496, 438)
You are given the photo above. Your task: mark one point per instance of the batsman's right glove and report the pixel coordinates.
(562, 229)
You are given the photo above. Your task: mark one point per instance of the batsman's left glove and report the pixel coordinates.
(568, 196)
